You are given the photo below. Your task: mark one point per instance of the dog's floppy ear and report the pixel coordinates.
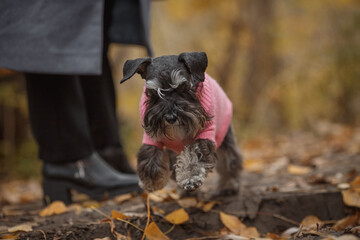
(135, 66)
(196, 63)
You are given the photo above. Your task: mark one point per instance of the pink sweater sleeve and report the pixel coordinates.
(207, 101)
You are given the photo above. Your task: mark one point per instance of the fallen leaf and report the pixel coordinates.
(273, 236)
(346, 222)
(347, 237)
(174, 195)
(178, 216)
(232, 223)
(355, 184)
(351, 198)
(254, 165)
(105, 238)
(122, 198)
(77, 208)
(91, 204)
(9, 236)
(153, 232)
(159, 196)
(207, 207)
(187, 202)
(118, 215)
(298, 170)
(311, 222)
(21, 228)
(54, 208)
(157, 210)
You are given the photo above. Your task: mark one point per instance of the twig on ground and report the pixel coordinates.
(148, 212)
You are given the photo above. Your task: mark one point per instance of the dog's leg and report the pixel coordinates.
(229, 165)
(193, 164)
(153, 168)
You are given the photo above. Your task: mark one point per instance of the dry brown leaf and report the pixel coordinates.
(178, 216)
(311, 222)
(346, 222)
(122, 198)
(105, 238)
(26, 227)
(234, 224)
(174, 195)
(118, 215)
(351, 198)
(298, 170)
(355, 184)
(157, 210)
(207, 207)
(153, 232)
(9, 236)
(187, 202)
(254, 165)
(91, 204)
(54, 208)
(273, 236)
(77, 208)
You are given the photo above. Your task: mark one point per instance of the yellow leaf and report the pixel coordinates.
(118, 215)
(178, 216)
(351, 198)
(187, 202)
(207, 207)
(298, 170)
(122, 198)
(22, 227)
(234, 224)
(254, 165)
(153, 232)
(91, 204)
(231, 222)
(9, 236)
(54, 208)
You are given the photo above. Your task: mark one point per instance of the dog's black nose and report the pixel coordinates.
(170, 118)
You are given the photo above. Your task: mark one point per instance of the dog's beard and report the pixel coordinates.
(191, 118)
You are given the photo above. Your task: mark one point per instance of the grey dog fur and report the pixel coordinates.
(174, 111)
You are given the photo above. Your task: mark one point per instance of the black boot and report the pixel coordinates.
(116, 157)
(90, 175)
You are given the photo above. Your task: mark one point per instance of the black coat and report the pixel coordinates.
(67, 36)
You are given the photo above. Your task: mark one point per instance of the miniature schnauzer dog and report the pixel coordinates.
(186, 118)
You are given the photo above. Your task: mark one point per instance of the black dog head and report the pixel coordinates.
(173, 109)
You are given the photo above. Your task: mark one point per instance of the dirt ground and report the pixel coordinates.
(299, 186)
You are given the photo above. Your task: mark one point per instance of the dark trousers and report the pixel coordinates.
(72, 116)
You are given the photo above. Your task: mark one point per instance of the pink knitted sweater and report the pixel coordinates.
(216, 104)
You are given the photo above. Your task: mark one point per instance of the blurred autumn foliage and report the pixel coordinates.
(286, 65)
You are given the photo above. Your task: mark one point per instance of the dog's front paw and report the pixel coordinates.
(193, 163)
(193, 182)
(153, 168)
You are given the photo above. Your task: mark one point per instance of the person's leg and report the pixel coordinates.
(58, 117)
(59, 122)
(99, 95)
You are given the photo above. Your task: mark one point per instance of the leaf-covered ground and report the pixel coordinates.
(302, 185)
